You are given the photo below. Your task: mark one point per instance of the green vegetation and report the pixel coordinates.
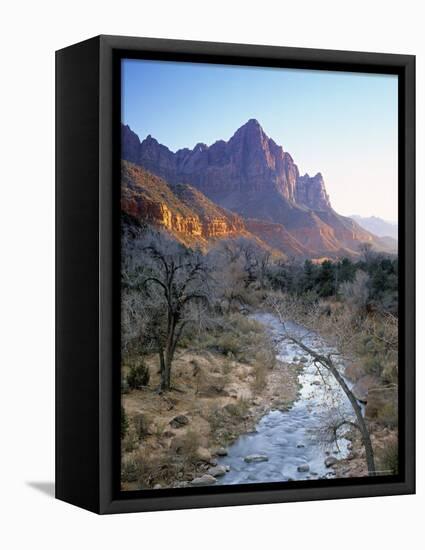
(388, 462)
(138, 375)
(375, 275)
(176, 300)
(124, 422)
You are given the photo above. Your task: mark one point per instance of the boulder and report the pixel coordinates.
(179, 421)
(203, 454)
(304, 359)
(217, 471)
(330, 461)
(206, 479)
(221, 451)
(256, 458)
(303, 468)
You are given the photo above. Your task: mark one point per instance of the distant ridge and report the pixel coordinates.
(378, 226)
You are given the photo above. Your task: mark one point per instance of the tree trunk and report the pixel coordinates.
(169, 353)
(328, 364)
(163, 371)
(360, 420)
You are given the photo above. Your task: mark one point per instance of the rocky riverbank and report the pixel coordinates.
(177, 438)
(229, 420)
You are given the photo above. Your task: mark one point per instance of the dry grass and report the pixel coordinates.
(215, 384)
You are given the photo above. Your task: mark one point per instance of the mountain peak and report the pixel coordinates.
(252, 133)
(252, 124)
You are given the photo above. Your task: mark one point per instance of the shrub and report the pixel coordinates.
(228, 344)
(138, 376)
(260, 371)
(130, 468)
(388, 414)
(124, 385)
(238, 409)
(124, 422)
(186, 445)
(131, 440)
(141, 423)
(388, 462)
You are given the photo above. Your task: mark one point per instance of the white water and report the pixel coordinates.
(294, 437)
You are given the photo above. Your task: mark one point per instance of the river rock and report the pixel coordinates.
(295, 358)
(256, 458)
(304, 359)
(217, 471)
(330, 461)
(221, 452)
(203, 454)
(300, 445)
(179, 421)
(206, 479)
(180, 484)
(303, 468)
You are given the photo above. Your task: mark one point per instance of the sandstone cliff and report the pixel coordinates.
(255, 178)
(184, 212)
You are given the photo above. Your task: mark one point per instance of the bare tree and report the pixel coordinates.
(264, 266)
(356, 293)
(167, 279)
(228, 263)
(286, 309)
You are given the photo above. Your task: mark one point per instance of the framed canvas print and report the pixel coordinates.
(235, 274)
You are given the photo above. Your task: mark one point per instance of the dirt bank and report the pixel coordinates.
(174, 437)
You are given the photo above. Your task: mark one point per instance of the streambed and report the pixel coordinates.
(292, 444)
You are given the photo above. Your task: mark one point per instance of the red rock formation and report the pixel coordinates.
(255, 178)
(181, 210)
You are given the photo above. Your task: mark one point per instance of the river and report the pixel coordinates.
(292, 444)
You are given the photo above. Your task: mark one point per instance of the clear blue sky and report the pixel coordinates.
(341, 124)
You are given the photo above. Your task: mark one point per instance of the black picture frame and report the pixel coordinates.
(87, 273)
